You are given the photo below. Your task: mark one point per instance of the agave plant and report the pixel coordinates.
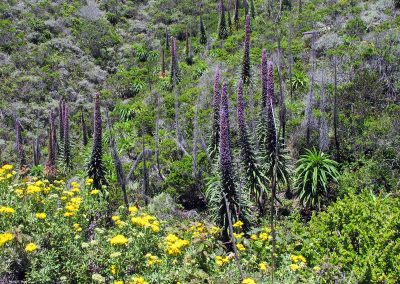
(312, 175)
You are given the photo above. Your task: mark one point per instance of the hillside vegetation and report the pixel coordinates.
(204, 141)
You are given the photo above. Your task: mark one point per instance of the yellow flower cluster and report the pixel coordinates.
(117, 220)
(119, 240)
(152, 259)
(5, 238)
(77, 227)
(263, 266)
(239, 224)
(6, 172)
(6, 210)
(220, 261)
(174, 245)
(31, 247)
(89, 182)
(72, 206)
(146, 221)
(113, 269)
(95, 192)
(133, 209)
(138, 280)
(299, 261)
(41, 216)
(248, 281)
(118, 282)
(240, 247)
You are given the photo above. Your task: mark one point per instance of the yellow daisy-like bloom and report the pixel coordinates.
(31, 247)
(118, 240)
(294, 267)
(7, 167)
(68, 214)
(240, 247)
(263, 266)
(152, 259)
(6, 210)
(138, 280)
(75, 190)
(41, 216)
(298, 258)
(5, 238)
(174, 245)
(239, 224)
(89, 181)
(19, 192)
(113, 269)
(133, 209)
(33, 189)
(238, 236)
(77, 227)
(118, 282)
(115, 218)
(254, 237)
(264, 236)
(248, 281)
(95, 192)
(220, 261)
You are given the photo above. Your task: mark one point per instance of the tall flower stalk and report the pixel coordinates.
(50, 170)
(216, 107)
(67, 145)
(222, 30)
(228, 187)
(96, 169)
(19, 143)
(255, 180)
(236, 15)
(246, 53)
(203, 35)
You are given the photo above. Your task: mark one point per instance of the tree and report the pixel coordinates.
(314, 171)
(96, 169)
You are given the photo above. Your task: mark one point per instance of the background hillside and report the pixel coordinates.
(336, 90)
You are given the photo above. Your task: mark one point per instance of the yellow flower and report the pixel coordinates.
(68, 214)
(264, 236)
(6, 210)
(19, 192)
(138, 280)
(115, 218)
(118, 282)
(294, 267)
(240, 247)
(248, 281)
(119, 240)
(220, 261)
(94, 192)
(263, 266)
(89, 181)
(254, 237)
(174, 245)
(133, 209)
(31, 247)
(239, 224)
(238, 236)
(77, 227)
(75, 190)
(5, 238)
(33, 189)
(152, 259)
(298, 258)
(7, 167)
(317, 268)
(113, 269)
(41, 216)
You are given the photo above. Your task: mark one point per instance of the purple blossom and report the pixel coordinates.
(270, 81)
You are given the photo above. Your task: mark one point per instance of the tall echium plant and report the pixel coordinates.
(252, 9)
(175, 73)
(236, 15)
(84, 129)
(166, 39)
(203, 35)
(96, 169)
(228, 188)
(246, 53)
(19, 143)
(255, 180)
(246, 7)
(228, 11)
(67, 145)
(50, 169)
(216, 108)
(262, 127)
(222, 30)
(189, 52)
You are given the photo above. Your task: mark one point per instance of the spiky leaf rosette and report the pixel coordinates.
(50, 170)
(246, 53)
(175, 72)
(203, 35)
(226, 169)
(67, 145)
(256, 182)
(213, 150)
(96, 169)
(19, 143)
(222, 30)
